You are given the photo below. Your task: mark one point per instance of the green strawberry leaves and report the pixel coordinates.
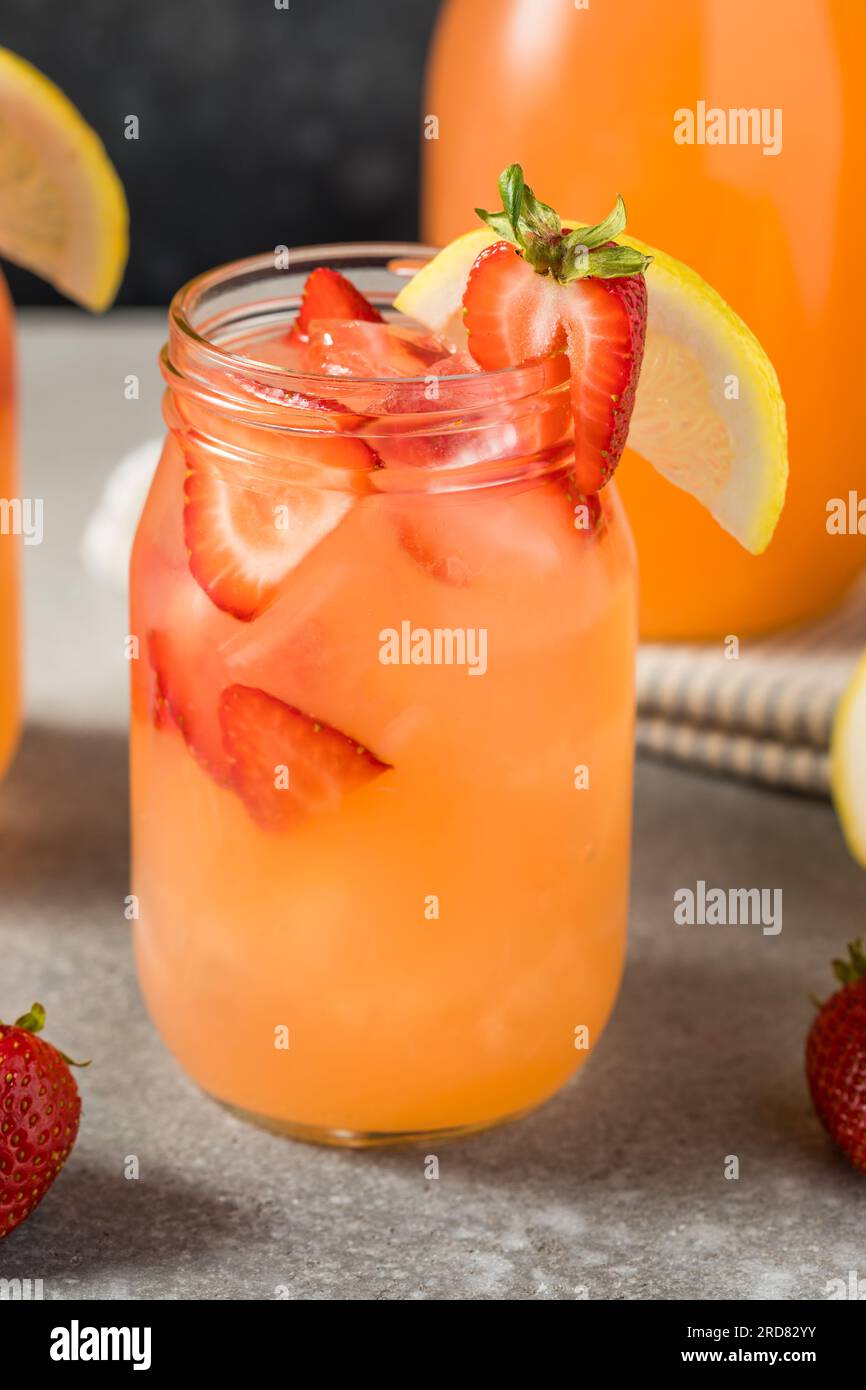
(613, 224)
(33, 1021)
(605, 263)
(501, 224)
(536, 230)
(525, 221)
(848, 972)
(512, 190)
(537, 216)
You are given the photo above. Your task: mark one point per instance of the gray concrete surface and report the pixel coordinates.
(614, 1190)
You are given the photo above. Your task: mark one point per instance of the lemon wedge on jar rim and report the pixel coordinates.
(63, 212)
(709, 414)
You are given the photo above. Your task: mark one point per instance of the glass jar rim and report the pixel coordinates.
(250, 268)
(475, 429)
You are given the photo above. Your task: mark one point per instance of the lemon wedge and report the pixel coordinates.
(709, 414)
(434, 296)
(848, 763)
(63, 212)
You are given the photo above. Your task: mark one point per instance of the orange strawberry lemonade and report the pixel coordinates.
(381, 766)
(10, 702)
(586, 98)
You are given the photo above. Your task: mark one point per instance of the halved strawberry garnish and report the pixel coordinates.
(329, 295)
(544, 290)
(284, 765)
(586, 508)
(243, 540)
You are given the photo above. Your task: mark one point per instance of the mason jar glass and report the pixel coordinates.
(10, 539)
(382, 726)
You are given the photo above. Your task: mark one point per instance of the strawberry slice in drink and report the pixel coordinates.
(285, 765)
(302, 410)
(339, 333)
(184, 696)
(544, 289)
(329, 295)
(245, 537)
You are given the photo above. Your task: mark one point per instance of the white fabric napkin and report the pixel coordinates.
(768, 715)
(107, 541)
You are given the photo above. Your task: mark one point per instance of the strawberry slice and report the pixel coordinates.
(243, 541)
(515, 315)
(544, 289)
(586, 508)
(302, 410)
(284, 765)
(329, 295)
(184, 698)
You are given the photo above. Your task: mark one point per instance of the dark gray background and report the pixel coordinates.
(258, 126)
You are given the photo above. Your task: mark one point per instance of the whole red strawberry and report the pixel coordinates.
(836, 1058)
(39, 1113)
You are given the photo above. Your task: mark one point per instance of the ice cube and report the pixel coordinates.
(349, 347)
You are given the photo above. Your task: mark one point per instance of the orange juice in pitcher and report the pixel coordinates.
(733, 129)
